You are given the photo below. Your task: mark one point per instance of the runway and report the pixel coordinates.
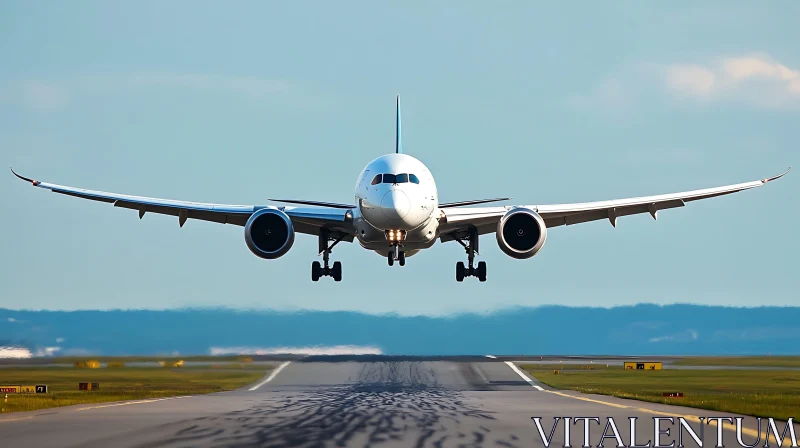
(352, 401)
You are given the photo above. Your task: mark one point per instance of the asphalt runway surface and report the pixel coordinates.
(359, 401)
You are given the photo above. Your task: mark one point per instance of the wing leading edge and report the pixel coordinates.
(485, 218)
(306, 220)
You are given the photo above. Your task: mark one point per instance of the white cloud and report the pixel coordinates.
(41, 96)
(313, 350)
(755, 80)
(15, 352)
(245, 85)
(34, 94)
(47, 96)
(47, 351)
(60, 340)
(693, 79)
(681, 336)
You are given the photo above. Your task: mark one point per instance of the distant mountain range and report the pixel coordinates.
(629, 330)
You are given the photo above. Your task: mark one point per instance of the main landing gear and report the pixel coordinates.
(325, 270)
(471, 247)
(396, 254)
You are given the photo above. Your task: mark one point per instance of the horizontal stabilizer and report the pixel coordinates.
(315, 203)
(476, 201)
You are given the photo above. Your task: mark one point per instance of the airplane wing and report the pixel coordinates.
(305, 220)
(456, 221)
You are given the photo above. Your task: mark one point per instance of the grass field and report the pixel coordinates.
(117, 384)
(744, 361)
(760, 393)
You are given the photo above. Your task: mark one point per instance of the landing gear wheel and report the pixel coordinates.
(316, 271)
(402, 258)
(336, 272)
(390, 259)
(481, 271)
(460, 271)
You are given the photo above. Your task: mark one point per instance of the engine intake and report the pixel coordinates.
(269, 233)
(521, 233)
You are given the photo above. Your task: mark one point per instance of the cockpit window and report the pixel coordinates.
(395, 179)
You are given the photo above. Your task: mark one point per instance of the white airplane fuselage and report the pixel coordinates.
(405, 201)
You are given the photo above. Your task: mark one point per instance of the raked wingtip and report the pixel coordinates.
(26, 179)
(770, 179)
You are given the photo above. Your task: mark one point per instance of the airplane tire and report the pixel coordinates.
(460, 271)
(481, 271)
(316, 271)
(402, 258)
(390, 258)
(336, 272)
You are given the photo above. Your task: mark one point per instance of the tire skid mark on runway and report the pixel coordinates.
(272, 375)
(523, 376)
(398, 402)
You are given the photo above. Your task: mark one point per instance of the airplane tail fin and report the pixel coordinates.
(398, 144)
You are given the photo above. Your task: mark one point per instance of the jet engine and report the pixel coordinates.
(269, 233)
(521, 233)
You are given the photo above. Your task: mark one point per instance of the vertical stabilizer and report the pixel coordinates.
(398, 144)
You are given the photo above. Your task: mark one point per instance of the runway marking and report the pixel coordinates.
(16, 419)
(272, 376)
(522, 375)
(750, 432)
(696, 418)
(123, 403)
(127, 403)
(589, 399)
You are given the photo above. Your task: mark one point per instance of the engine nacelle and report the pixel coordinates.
(521, 233)
(269, 233)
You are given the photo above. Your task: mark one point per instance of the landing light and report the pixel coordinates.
(395, 235)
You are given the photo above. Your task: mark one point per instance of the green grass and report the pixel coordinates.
(760, 393)
(117, 384)
(126, 359)
(744, 361)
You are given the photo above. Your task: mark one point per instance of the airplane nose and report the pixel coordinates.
(395, 205)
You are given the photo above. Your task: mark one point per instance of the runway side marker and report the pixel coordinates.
(522, 375)
(272, 376)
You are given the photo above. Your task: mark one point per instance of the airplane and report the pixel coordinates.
(397, 214)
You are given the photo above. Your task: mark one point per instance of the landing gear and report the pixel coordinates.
(396, 254)
(316, 271)
(471, 247)
(325, 270)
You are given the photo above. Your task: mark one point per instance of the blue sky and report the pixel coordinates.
(234, 103)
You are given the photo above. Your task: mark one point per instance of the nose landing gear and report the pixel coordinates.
(396, 254)
(472, 248)
(318, 270)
